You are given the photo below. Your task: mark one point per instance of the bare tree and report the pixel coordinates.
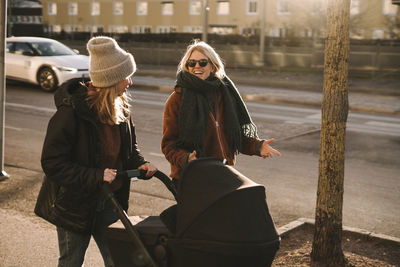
(327, 243)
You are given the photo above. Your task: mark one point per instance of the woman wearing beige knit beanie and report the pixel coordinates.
(89, 139)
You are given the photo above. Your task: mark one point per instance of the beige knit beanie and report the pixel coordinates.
(109, 64)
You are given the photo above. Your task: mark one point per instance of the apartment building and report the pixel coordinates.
(370, 19)
(24, 16)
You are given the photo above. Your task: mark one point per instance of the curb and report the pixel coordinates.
(304, 222)
(254, 97)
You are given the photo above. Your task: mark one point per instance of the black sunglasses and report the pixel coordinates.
(192, 62)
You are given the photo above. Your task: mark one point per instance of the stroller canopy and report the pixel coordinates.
(221, 210)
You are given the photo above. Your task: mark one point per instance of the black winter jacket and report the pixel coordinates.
(70, 159)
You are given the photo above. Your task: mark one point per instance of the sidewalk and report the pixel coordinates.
(367, 95)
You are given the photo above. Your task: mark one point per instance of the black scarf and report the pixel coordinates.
(199, 98)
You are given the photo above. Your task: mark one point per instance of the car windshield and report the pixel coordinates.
(52, 49)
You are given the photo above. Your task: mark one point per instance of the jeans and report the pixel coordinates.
(73, 245)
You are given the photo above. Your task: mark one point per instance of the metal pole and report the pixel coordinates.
(3, 34)
(205, 20)
(91, 18)
(10, 24)
(262, 32)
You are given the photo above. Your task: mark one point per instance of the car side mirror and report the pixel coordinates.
(76, 51)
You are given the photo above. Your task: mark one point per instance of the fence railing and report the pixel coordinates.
(366, 56)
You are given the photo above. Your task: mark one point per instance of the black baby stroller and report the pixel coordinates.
(221, 219)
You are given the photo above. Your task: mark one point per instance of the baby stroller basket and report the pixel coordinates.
(137, 241)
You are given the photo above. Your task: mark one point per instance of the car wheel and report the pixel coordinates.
(47, 79)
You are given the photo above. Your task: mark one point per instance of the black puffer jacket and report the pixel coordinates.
(70, 160)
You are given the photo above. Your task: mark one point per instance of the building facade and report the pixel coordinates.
(370, 19)
(24, 17)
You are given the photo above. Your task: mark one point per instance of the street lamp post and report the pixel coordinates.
(9, 23)
(205, 20)
(262, 32)
(3, 34)
(91, 18)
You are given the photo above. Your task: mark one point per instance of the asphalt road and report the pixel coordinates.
(371, 171)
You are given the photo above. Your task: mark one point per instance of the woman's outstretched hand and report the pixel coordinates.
(266, 151)
(192, 156)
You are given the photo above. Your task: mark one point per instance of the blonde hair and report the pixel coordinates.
(209, 52)
(110, 107)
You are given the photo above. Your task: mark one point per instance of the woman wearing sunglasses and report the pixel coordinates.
(205, 116)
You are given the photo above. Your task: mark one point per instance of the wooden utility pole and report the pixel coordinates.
(327, 244)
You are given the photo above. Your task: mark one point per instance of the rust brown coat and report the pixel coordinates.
(216, 143)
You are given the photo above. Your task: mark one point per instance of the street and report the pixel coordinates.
(372, 165)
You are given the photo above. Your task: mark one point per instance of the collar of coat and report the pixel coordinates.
(73, 93)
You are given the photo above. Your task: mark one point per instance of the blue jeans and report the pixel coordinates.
(73, 245)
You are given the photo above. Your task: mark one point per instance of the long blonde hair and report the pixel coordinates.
(209, 52)
(109, 106)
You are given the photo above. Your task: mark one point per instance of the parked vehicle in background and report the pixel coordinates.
(42, 61)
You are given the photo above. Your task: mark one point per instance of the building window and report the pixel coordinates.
(141, 29)
(72, 28)
(118, 28)
(223, 8)
(51, 9)
(166, 29)
(53, 28)
(141, 8)
(283, 7)
(221, 30)
(167, 8)
(192, 29)
(73, 9)
(357, 33)
(389, 8)
(306, 33)
(277, 32)
(118, 8)
(252, 7)
(378, 34)
(195, 7)
(95, 28)
(26, 19)
(248, 31)
(355, 7)
(95, 10)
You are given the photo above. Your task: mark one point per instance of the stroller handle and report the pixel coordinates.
(141, 252)
(141, 174)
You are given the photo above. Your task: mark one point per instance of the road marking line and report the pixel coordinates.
(14, 128)
(384, 124)
(156, 154)
(314, 116)
(294, 122)
(31, 107)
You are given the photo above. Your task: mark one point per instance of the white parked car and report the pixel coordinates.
(43, 61)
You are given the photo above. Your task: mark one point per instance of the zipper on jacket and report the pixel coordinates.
(219, 139)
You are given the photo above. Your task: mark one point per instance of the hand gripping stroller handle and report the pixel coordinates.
(141, 174)
(136, 173)
(140, 253)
